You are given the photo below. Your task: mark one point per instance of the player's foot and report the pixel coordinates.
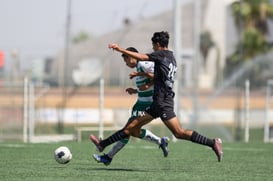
(105, 159)
(164, 145)
(96, 142)
(217, 148)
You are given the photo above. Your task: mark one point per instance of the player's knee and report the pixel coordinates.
(127, 131)
(135, 133)
(130, 131)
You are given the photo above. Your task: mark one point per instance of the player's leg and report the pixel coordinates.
(136, 130)
(163, 142)
(175, 127)
(147, 135)
(106, 159)
(102, 144)
(130, 128)
(117, 147)
(141, 133)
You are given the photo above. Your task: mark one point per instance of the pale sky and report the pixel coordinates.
(36, 28)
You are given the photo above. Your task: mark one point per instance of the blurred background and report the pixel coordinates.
(58, 79)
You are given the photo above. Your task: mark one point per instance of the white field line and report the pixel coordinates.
(12, 145)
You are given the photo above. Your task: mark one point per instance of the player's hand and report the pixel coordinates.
(143, 87)
(131, 91)
(114, 46)
(133, 74)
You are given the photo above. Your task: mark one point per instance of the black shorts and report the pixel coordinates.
(162, 107)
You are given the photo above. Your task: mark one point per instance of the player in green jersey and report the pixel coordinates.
(144, 89)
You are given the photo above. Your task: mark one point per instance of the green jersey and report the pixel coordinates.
(145, 97)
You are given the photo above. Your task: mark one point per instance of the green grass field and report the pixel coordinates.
(138, 161)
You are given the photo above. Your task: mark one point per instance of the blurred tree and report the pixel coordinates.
(253, 43)
(80, 37)
(254, 13)
(251, 18)
(206, 43)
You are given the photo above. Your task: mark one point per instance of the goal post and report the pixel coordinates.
(25, 113)
(247, 95)
(14, 110)
(268, 122)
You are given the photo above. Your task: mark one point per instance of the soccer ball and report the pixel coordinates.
(62, 155)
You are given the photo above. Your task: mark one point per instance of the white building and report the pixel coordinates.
(214, 17)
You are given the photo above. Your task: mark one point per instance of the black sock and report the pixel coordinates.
(197, 138)
(113, 138)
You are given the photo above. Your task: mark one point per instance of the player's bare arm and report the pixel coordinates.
(146, 74)
(146, 86)
(139, 56)
(131, 91)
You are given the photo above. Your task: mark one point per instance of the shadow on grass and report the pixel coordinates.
(117, 169)
(120, 169)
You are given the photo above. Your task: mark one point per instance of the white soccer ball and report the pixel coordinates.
(62, 155)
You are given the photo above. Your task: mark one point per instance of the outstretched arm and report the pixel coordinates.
(139, 56)
(146, 74)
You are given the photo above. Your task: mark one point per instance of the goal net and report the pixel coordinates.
(11, 110)
(20, 102)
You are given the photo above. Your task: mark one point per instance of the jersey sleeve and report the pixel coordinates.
(147, 66)
(154, 56)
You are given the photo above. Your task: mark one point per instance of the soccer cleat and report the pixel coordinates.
(164, 146)
(96, 142)
(217, 148)
(105, 159)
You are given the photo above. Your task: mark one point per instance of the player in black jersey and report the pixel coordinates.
(163, 98)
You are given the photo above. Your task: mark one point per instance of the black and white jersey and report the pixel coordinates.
(164, 72)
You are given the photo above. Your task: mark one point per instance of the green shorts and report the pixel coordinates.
(139, 109)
